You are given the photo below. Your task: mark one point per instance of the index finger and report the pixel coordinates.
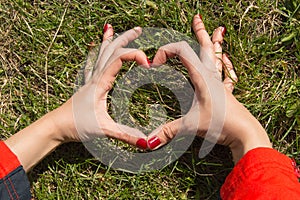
(119, 42)
(207, 53)
(187, 56)
(200, 31)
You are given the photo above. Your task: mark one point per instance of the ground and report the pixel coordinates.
(43, 44)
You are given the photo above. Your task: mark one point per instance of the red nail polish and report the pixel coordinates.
(224, 30)
(149, 62)
(105, 28)
(153, 142)
(141, 143)
(200, 16)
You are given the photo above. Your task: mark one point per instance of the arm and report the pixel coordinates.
(14, 183)
(241, 131)
(84, 116)
(260, 172)
(34, 142)
(72, 120)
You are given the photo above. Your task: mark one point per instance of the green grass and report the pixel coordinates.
(44, 43)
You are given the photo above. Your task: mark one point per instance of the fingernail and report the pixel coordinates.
(141, 143)
(105, 28)
(153, 142)
(224, 30)
(200, 16)
(149, 62)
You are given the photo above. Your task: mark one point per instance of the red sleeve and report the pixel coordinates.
(263, 173)
(8, 160)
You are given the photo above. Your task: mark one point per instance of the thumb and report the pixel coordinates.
(125, 133)
(163, 134)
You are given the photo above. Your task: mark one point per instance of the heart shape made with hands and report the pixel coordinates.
(93, 122)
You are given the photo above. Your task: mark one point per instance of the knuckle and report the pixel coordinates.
(168, 132)
(199, 29)
(162, 49)
(184, 44)
(107, 85)
(124, 137)
(199, 25)
(139, 53)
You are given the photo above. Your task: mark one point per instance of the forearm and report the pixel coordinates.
(36, 141)
(243, 131)
(252, 136)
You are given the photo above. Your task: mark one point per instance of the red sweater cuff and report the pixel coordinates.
(8, 160)
(262, 173)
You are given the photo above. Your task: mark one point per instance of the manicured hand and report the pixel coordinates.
(239, 130)
(88, 117)
(84, 116)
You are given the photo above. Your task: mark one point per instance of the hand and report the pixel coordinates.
(84, 116)
(86, 112)
(241, 131)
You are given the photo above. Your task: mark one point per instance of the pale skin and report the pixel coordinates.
(241, 131)
(33, 143)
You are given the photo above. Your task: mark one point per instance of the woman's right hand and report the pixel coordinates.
(241, 131)
(84, 117)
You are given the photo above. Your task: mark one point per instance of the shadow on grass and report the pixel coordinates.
(210, 172)
(70, 153)
(201, 178)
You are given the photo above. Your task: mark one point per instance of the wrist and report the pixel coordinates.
(34, 142)
(252, 136)
(63, 121)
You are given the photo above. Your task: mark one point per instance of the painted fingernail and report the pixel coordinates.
(153, 142)
(200, 16)
(141, 143)
(149, 62)
(105, 28)
(224, 30)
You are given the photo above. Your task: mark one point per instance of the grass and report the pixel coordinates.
(44, 43)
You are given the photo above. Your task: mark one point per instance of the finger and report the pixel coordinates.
(187, 56)
(129, 54)
(119, 42)
(200, 31)
(206, 51)
(93, 52)
(121, 55)
(230, 75)
(217, 39)
(108, 34)
(108, 75)
(163, 134)
(127, 37)
(126, 134)
(182, 49)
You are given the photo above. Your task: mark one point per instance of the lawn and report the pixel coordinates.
(43, 44)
